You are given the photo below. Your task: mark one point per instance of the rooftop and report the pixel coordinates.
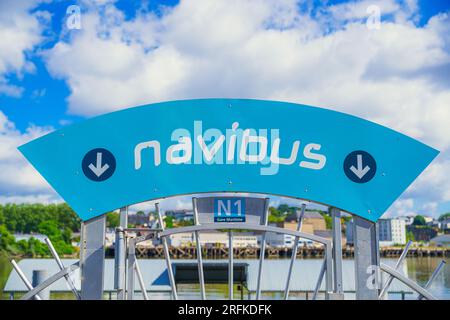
(307, 215)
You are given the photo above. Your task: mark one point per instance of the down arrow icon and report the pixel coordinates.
(360, 166)
(98, 164)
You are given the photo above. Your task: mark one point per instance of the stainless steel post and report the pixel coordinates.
(39, 276)
(262, 251)
(337, 251)
(131, 267)
(120, 255)
(230, 265)
(199, 251)
(367, 259)
(92, 258)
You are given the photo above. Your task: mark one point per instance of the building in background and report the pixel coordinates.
(27, 236)
(138, 219)
(390, 232)
(422, 233)
(408, 219)
(445, 226)
(428, 219)
(281, 240)
(214, 239)
(313, 223)
(180, 215)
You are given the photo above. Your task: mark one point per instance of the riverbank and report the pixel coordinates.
(272, 252)
(275, 272)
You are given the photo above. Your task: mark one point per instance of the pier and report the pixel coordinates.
(275, 252)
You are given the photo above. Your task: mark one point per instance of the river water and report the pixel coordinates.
(417, 269)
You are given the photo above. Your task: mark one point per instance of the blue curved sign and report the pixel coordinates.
(215, 145)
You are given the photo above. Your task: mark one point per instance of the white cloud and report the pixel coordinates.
(33, 198)
(18, 179)
(397, 76)
(402, 207)
(358, 10)
(270, 50)
(229, 49)
(20, 32)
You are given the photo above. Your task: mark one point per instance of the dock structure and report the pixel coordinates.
(155, 277)
(190, 252)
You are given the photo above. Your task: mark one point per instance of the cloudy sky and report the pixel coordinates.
(56, 70)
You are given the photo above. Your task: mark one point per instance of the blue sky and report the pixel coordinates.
(314, 52)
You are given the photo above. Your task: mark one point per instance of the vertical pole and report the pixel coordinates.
(131, 267)
(329, 272)
(123, 217)
(230, 265)
(367, 259)
(120, 255)
(92, 258)
(39, 276)
(199, 252)
(262, 251)
(337, 250)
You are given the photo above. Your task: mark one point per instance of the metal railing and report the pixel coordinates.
(64, 272)
(395, 274)
(196, 229)
(332, 284)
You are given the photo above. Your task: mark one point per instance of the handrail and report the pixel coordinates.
(30, 294)
(164, 233)
(407, 281)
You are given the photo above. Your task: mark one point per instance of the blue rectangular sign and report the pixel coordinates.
(229, 210)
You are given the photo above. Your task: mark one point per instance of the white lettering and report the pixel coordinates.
(274, 156)
(185, 146)
(313, 156)
(246, 140)
(210, 153)
(251, 146)
(143, 145)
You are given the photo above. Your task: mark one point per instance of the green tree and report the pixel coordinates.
(441, 218)
(51, 230)
(328, 221)
(7, 240)
(410, 236)
(419, 220)
(112, 219)
(169, 222)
